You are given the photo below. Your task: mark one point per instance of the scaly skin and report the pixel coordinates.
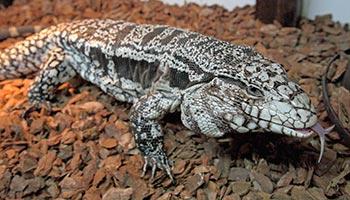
(218, 86)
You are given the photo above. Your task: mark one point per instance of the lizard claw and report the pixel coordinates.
(155, 162)
(26, 112)
(36, 107)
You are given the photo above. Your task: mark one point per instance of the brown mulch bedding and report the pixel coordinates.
(83, 148)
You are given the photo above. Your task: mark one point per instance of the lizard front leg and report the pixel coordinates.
(148, 134)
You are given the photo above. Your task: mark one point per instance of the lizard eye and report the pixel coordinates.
(252, 90)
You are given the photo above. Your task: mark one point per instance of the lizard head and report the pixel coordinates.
(258, 97)
(284, 108)
(250, 93)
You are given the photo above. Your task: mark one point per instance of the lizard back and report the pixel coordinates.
(141, 53)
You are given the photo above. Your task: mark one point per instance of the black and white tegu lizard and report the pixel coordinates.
(219, 87)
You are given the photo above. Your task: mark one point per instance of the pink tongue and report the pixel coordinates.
(321, 133)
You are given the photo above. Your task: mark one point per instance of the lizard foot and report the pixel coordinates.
(157, 161)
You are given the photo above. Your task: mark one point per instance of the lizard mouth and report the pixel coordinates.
(297, 132)
(304, 132)
(320, 131)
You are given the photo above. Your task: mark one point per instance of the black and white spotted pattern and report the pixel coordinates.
(218, 86)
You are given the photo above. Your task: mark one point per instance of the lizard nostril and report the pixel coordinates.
(291, 95)
(298, 115)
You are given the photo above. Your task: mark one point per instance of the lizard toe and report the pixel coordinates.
(160, 162)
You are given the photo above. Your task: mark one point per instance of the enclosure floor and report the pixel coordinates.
(83, 148)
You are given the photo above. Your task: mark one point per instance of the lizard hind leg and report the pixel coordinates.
(54, 71)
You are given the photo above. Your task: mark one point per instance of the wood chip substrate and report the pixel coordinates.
(83, 148)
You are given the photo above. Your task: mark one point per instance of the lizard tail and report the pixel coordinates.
(24, 57)
(18, 31)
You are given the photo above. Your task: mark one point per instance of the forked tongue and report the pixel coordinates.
(321, 132)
